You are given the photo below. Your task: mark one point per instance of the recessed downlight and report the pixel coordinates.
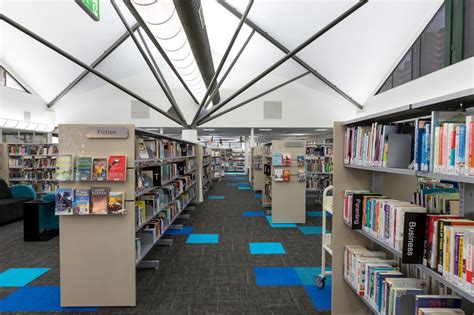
(265, 129)
(208, 129)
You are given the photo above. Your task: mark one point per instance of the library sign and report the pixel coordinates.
(413, 237)
(294, 143)
(107, 133)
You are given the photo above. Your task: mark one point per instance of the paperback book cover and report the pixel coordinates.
(278, 175)
(438, 301)
(99, 169)
(117, 168)
(150, 147)
(286, 159)
(277, 159)
(82, 200)
(300, 160)
(142, 152)
(84, 168)
(99, 199)
(64, 197)
(116, 203)
(286, 175)
(301, 176)
(64, 168)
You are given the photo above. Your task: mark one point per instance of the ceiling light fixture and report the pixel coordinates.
(24, 125)
(208, 129)
(264, 129)
(321, 129)
(164, 23)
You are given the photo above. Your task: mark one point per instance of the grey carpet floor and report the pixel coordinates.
(197, 278)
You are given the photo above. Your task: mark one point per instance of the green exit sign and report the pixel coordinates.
(91, 7)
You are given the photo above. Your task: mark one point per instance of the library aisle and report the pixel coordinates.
(226, 259)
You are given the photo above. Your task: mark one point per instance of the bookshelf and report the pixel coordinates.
(205, 160)
(398, 183)
(218, 161)
(94, 249)
(257, 175)
(267, 175)
(33, 164)
(318, 168)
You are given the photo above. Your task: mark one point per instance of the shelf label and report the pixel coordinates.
(295, 143)
(107, 133)
(413, 237)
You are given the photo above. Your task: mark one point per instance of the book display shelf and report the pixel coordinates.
(206, 167)
(156, 178)
(318, 168)
(257, 175)
(218, 161)
(403, 208)
(267, 172)
(33, 164)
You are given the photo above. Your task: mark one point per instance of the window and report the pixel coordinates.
(432, 44)
(7, 80)
(468, 28)
(403, 72)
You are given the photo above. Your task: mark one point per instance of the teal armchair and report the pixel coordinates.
(23, 191)
(48, 220)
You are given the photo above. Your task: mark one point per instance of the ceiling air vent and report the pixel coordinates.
(140, 110)
(272, 110)
(26, 116)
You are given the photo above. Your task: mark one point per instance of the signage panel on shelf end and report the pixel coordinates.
(91, 7)
(107, 133)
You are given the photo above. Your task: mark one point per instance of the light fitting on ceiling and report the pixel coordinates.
(24, 125)
(164, 23)
(265, 129)
(321, 129)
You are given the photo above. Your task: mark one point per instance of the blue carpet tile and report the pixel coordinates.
(258, 195)
(185, 231)
(276, 276)
(244, 188)
(266, 248)
(215, 197)
(203, 239)
(19, 277)
(231, 184)
(259, 213)
(280, 225)
(317, 214)
(321, 298)
(37, 299)
(312, 230)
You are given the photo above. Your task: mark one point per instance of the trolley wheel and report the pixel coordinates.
(320, 282)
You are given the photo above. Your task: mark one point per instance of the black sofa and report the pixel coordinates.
(11, 201)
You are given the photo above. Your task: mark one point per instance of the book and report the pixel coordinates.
(64, 167)
(117, 168)
(286, 159)
(437, 301)
(99, 200)
(286, 175)
(150, 147)
(277, 159)
(99, 169)
(440, 311)
(64, 201)
(300, 160)
(141, 150)
(278, 175)
(84, 168)
(82, 200)
(116, 203)
(301, 175)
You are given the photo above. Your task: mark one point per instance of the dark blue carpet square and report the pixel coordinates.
(19, 277)
(276, 276)
(254, 213)
(37, 299)
(321, 298)
(258, 195)
(185, 231)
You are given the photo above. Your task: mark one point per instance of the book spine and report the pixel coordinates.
(436, 150)
(440, 246)
(461, 149)
(470, 149)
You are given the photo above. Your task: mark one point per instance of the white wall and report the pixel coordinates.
(455, 78)
(14, 103)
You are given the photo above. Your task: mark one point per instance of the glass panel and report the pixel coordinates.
(416, 59)
(387, 85)
(10, 136)
(26, 137)
(3, 74)
(468, 28)
(40, 138)
(12, 83)
(432, 44)
(402, 73)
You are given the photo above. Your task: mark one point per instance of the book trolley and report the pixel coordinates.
(399, 183)
(99, 254)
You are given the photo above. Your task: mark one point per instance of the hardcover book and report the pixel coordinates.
(82, 200)
(116, 203)
(64, 167)
(84, 168)
(64, 197)
(286, 175)
(117, 168)
(286, 159)
(99, 169)
(437, 301)
(100, 199)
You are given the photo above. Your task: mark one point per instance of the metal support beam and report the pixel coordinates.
(286, 57)
(85, 66)
(101, 58)
(230, 68)
(254, 98)
(285, 50)
(152, 66)
(224, 58)
(142, 23)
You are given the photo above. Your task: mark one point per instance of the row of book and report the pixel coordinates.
(32, 175)
(379, 281)
(319, 150)
(36, 149)
(162, 149)
(319, 166)
(113, 168)
(31, 163)
(284, 159)
(44, 187)
(268, 189)
(96, 200)
(318, 182)
(379, 145)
